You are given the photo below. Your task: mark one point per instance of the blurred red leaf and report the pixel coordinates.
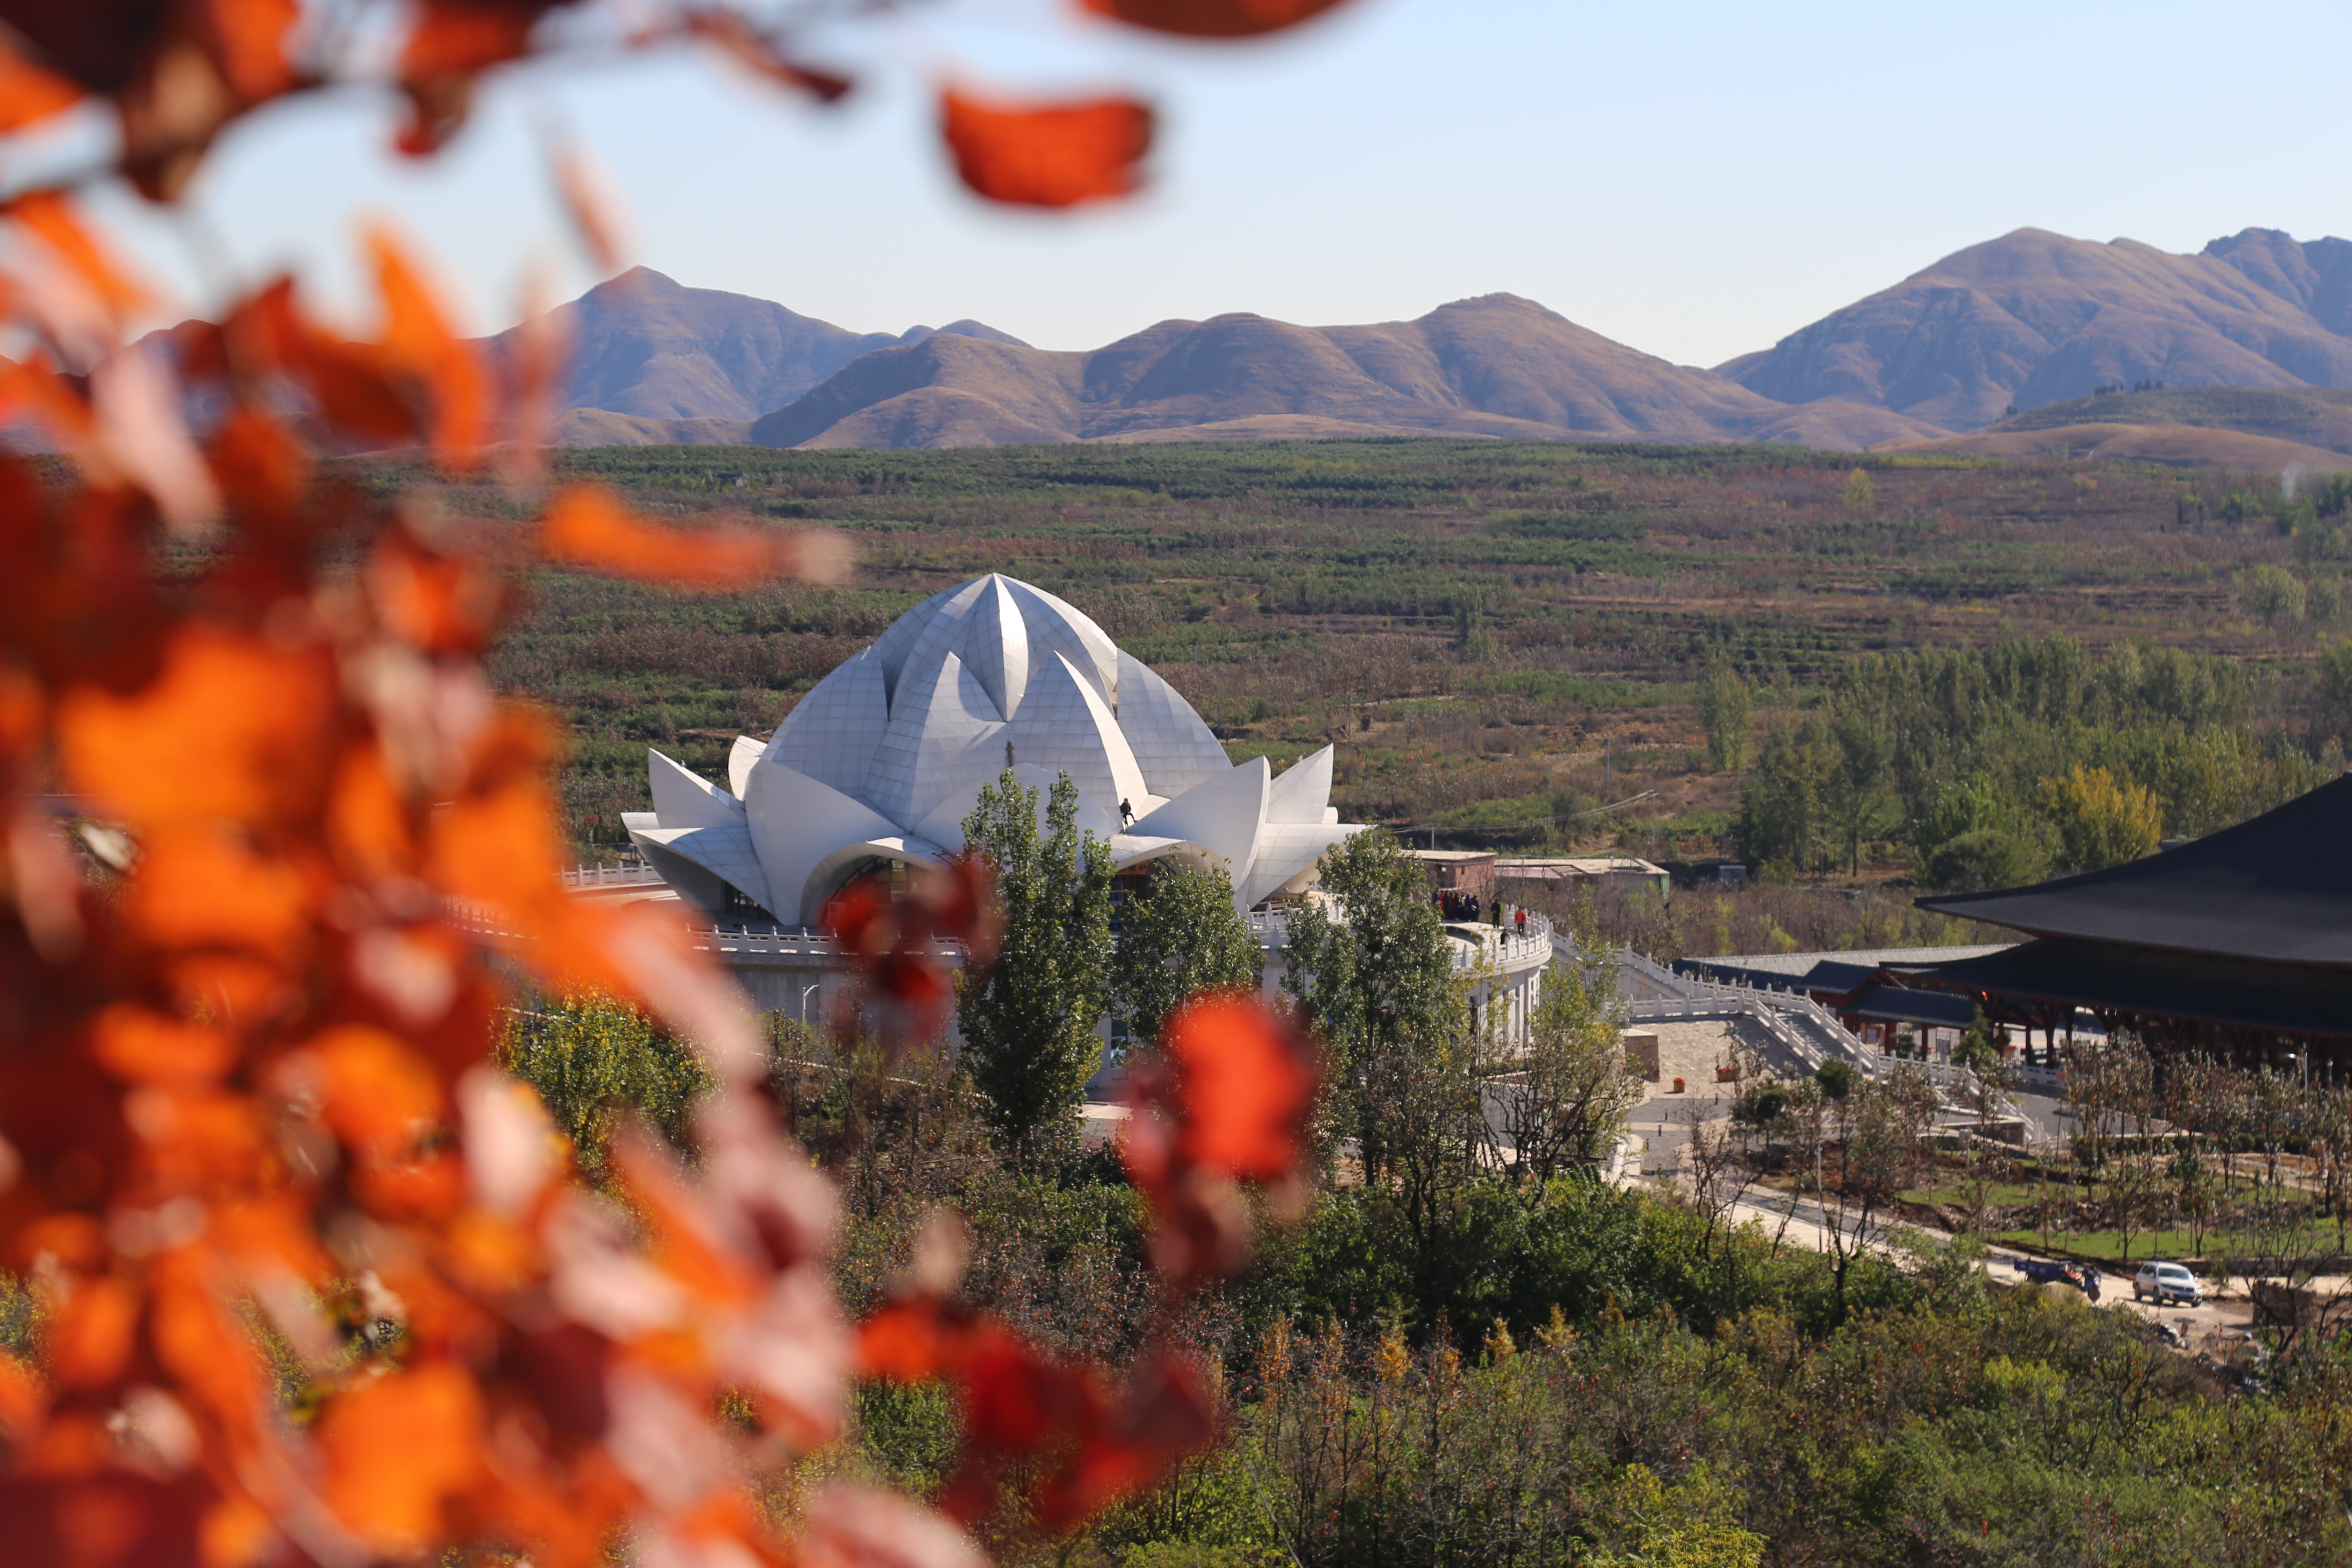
(916, 1340)
(451, 43)
(749, 46)
(50, 217)
(98, 43)
(418, 342)
(397, 1448)
(592, 204)
(1164, 1416)
(588, 525)
(28, 93)
(890, 938)
(1210, 18)
(248, 37)
(379, 1097)
(240, 720)
(217, 60)
(1228, 1099)
(32, 390)
(197, 886)
(1047, 155)
(852, 1526)
(23, 1398)
(94, 1332)
(1244, 1086)
(138, 1045)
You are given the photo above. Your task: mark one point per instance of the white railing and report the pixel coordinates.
(610, 876)
(1512, 947)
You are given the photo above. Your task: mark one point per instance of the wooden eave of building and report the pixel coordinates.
(2115, 980)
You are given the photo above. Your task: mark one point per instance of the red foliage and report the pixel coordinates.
(893, 942)
(251, 1075)
(1047, 155)
(1210, 18)
(1229, 1101)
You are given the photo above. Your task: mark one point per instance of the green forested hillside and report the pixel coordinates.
(1507, 637)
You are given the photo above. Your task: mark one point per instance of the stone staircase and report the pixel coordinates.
(1803, 1034)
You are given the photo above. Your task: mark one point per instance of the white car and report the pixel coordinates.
(2162, 1282)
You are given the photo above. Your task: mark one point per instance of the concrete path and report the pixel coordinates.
(1803, 1222)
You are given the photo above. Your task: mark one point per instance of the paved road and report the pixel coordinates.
(1801, 1221)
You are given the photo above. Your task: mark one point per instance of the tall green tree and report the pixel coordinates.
(1859, 784)
(1180, 933)
(2101, 820)
(1726, 711)
(1788, 802)
(2332, 714)
(594, 1060)
(1029, 1023)
(1570, 1090)
(1375, 975)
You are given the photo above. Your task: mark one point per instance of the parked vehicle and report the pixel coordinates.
(2162, 1282)
(2041, 1270)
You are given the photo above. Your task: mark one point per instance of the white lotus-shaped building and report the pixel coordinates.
(884, 758)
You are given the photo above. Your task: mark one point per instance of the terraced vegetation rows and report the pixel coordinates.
(1496, 632)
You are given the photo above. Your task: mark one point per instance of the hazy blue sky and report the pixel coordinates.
(1695, 177)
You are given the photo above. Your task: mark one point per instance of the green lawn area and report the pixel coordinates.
(2107, 1246)
(2001, 1193)
(2318, 1235)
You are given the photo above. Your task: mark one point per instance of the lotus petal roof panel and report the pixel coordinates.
(883, 758)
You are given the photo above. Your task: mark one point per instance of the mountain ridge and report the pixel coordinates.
(2035, 316)
(646, 346)
(1497, 365)
(2026, 320)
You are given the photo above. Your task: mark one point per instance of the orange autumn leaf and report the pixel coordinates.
(96, 1330)
(234, 1532)
(750, 48)
(196, 887)
(248, 40)
(418, 342)
(28, 93)
(588, 525)
(138, 1045)
(367, 829)
(200, 1339)
(498, 848)
(23, 1398)
(450, 44)
(377, 1095)
(1245, 1085)
(49, 215)
(196, 1141)
(35, 391)
(262, 471)
(1047, 155)
(397, 1450)
(1210, 18)
(594, 209)
(229, 731)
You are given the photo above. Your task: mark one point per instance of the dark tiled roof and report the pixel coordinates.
(2289, 998)
(2277, 888)
(1941, 1009)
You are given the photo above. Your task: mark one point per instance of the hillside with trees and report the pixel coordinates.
(1885, 674)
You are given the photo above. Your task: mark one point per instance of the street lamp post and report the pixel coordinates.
(805, 996)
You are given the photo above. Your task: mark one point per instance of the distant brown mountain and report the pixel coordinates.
(1498, 366)
(2034, 318)
(2253, 427)
(647, 346)
(2029, 319)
